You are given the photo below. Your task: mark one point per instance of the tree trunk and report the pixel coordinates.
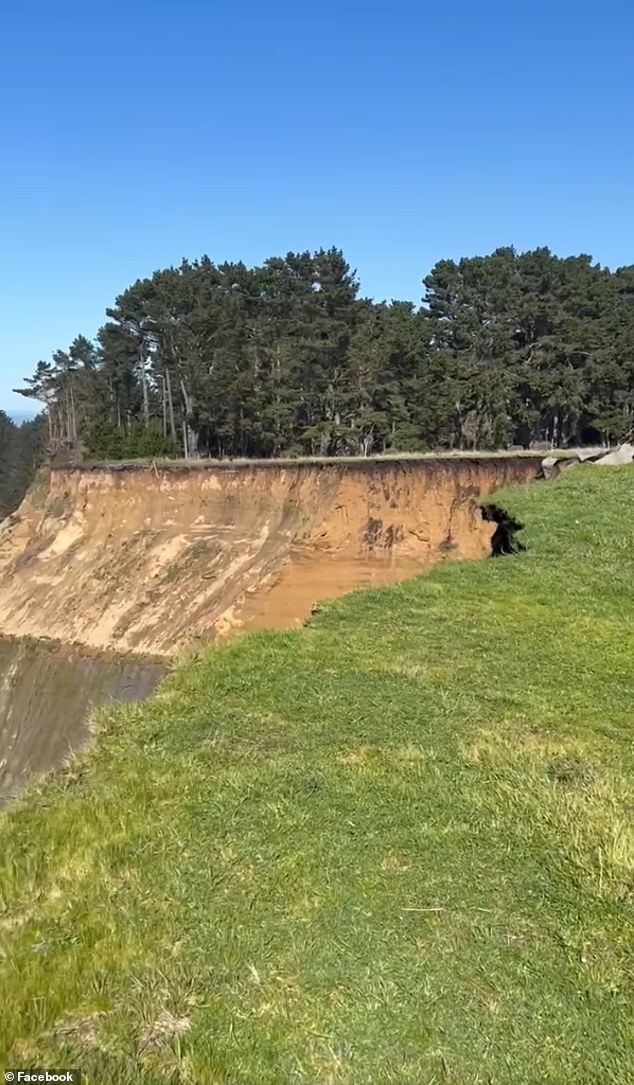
(144, 389)
(73, 415)
(170, 404)
(66, 422)
(190, 436)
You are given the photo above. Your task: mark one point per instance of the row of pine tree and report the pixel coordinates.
(21, 450)
(289, 359)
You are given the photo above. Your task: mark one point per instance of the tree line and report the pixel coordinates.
(288, 358)
(21, 449)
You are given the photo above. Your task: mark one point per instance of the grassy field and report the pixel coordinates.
(395, 846)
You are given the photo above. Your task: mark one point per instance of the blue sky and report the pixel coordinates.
(134, 134)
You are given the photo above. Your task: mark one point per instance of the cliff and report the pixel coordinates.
(147, 558)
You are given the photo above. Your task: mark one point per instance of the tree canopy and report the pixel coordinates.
(288, 358)
(20, 452)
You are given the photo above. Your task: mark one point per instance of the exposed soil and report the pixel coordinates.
(152, 559)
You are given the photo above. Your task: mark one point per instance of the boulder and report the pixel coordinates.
(621, 455)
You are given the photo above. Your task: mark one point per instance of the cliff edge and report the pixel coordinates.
(149, 558)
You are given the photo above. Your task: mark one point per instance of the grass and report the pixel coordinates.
(203, 463)
(207, 463)
(395, 846)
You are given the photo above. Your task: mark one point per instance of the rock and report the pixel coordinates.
(621, 455)
(550, 466)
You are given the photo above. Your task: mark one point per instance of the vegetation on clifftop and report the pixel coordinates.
(21, 449)
(393, 846)
(288, 358)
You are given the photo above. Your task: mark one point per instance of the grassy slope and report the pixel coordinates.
(395, 846)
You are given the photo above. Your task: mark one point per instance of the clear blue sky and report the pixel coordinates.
(136, 133)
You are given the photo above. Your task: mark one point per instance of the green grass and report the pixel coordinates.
(396, 846)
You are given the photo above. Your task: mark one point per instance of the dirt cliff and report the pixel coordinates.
(146, 558)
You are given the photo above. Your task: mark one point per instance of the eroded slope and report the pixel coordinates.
(145, 558)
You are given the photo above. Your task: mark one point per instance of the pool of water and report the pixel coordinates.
(47, 694)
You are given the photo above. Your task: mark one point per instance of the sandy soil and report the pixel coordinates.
(155, 560)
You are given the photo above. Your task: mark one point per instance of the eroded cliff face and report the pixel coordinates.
(149, 559)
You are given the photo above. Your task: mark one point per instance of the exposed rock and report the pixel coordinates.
(621, 455)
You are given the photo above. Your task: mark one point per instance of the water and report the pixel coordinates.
(47, 693)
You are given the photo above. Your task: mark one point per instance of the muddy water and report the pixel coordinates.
(47, 692)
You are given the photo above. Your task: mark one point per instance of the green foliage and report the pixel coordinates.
(21, 450)
(144, 442)
(227, 360)
(394, 846)
(105, 441)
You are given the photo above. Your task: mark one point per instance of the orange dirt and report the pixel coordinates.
(148, 559)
